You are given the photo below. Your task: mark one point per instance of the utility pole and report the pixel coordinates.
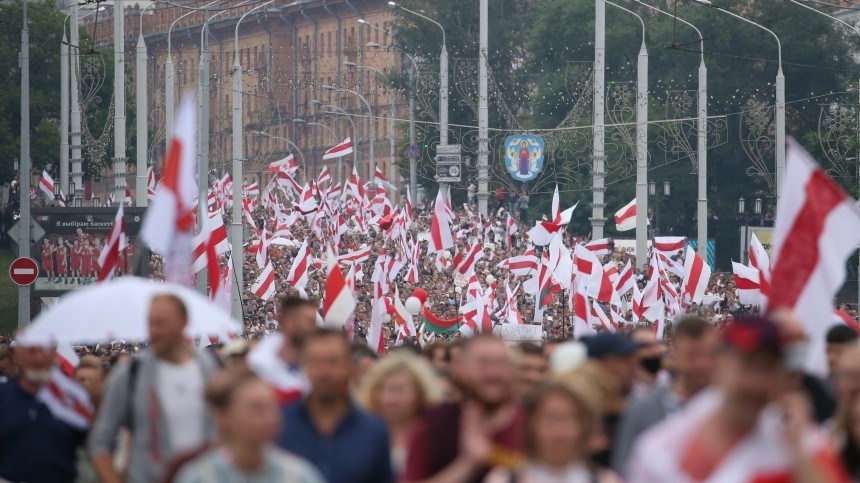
(24, 192)
(598, 130)
(119, 101)
(483, 113)
(142, 138)
(74, 94)
(64, 113)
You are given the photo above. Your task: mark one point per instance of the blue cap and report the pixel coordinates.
(607, 344)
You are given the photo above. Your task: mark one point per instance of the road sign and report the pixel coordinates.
(24, 271)
(413, 152)
(448, 160)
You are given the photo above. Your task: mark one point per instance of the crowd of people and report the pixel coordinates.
(720, 395)
(708, 403)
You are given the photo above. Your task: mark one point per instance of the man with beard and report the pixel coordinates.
(751, 427)
(343, 442)
(35, 445)
(695, 348)
(461, 441)
(277, 358)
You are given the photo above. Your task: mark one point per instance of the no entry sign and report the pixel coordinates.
(24, 271)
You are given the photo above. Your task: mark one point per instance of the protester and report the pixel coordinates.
(7, 367)
(846, 377)
(560, 422)
(748, 428)
(90, 374)
(35, 445)
(158, 397)
(437, 354)
(839, 338)
(343, 442)
(398, 389)
(649, 355)
(248, 419)
(848, 425)
(532, 367)
(461, 441)
(695, 346)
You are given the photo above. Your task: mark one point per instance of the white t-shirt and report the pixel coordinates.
(180, 390)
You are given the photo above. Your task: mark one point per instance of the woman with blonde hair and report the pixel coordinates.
(398, 389)
(561, 421)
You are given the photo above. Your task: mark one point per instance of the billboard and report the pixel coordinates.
(71, 241)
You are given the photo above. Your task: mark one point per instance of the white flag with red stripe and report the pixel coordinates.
(339, 302)
(324, 176)
(466, 265)
(697, 273)
(150, 184)
(589, 268)
(264, 286)
(599, 247)
(817, 228)
(625, 279)
(168, 227)
(340, 150)
(581, 312)
(46, 184)
(440, 230)
(115, 243)
(298, 276)
(747, 284)
(669, 245)
(213, 234)
(761, 262)
(625, 218)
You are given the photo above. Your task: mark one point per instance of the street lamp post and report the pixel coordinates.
(119, 100)
(236, 232)
(702, 140)
(142, 137)
(598, 128)
(745, 225)
(641, 146)
(24, 189)
(780, 97)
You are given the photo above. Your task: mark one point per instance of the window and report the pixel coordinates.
(330, 46)
(376, 32)
(322, 45)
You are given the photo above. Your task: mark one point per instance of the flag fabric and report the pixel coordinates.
(287, 164)
(599, 247)
(589, 268)
(697, 273)
(61, 200)
(402, 318)
(150, 184)
(264, 286)
(511, 228)
(213, 234)
(115, 243)
(46, 184)
(324, 176)
(760, 261)
(339, 301)
(625, 218)
(298, 276)
(128, 199)
(466, 265)
(67, 400)
(581, 312)
(382, 181)
(625, 281)
(817, 228)
(669, 245)
(168, 227)
(219, 293)
(747, 284)
(440, 229)
(340, 150)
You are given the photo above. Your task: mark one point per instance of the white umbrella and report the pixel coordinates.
(119, 310)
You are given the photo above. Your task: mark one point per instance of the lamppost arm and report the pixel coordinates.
(698, 32)
(413, 12)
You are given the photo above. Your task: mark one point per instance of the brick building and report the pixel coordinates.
(290, 53)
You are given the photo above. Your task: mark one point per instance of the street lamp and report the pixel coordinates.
(659, 197)
(780, 97)
(443, 74)
(701, 137)
(745, 224)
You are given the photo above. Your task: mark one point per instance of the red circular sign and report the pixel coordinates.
(24, 271)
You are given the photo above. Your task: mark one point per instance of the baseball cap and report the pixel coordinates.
(608, 344)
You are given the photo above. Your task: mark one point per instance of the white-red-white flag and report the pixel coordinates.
(581, 312)
(340, 150)
(817, 228)
(440, 229)
(264, 286)
(669, 245)
(761, 262)
(466, 265)
(298, 276)
(625, 279)
(382, 181)
(697, 273)
(287, 164)
(150, 184)
(214, 234)
(590, 270)
(599, 247)
(625, 218)
(46, 184)
(168, 227)
(115, 243)
(747, 284)
(339, 302)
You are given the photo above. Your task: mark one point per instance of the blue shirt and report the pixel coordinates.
(357, 452)
(35, 446)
